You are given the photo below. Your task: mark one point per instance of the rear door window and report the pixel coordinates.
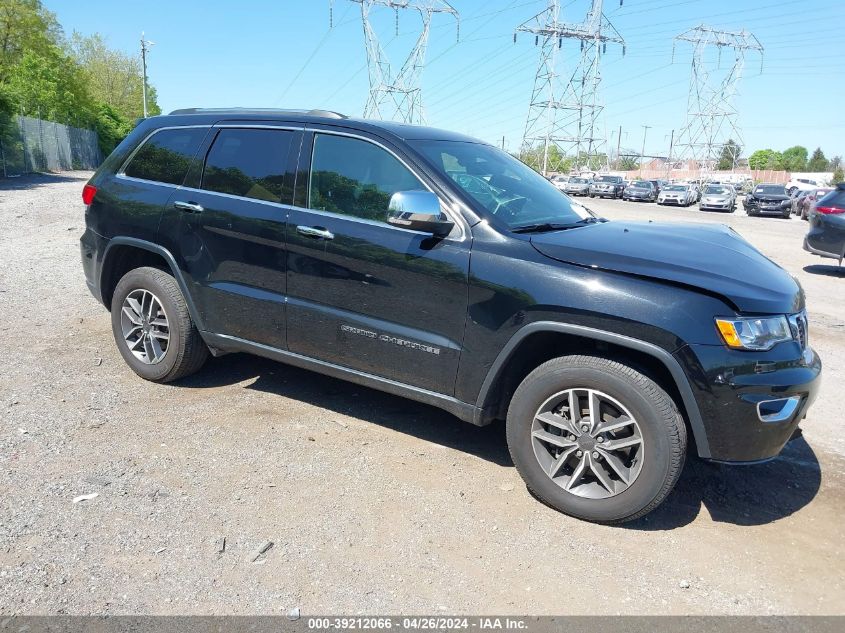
(249, 162)
(166, 155)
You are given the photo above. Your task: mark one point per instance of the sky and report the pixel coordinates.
(282, 53)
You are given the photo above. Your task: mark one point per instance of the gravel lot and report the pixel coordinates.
(374, 504)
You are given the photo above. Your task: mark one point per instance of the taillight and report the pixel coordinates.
(830, 210)
(88, 193)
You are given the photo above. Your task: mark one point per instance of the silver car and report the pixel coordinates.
(681, 195)
(718, 198)
(578, 186)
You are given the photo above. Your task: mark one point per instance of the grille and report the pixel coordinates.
(798, 324)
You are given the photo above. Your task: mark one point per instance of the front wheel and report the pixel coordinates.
(596, 439)
(152, 327)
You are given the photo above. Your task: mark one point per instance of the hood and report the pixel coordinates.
(713, 258)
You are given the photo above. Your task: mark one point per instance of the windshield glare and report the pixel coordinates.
(642, 184)
(608, 179)
(507, 189)
(674, 188)
(716, 191)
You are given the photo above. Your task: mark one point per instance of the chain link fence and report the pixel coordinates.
(28, 145)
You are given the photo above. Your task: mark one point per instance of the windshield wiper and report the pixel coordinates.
(544, 227)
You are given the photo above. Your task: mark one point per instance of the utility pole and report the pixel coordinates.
(712, 118)
(642, 153)
(145, 47)
(669, 160)
(618, 148)
(397, 95)
(564, 109)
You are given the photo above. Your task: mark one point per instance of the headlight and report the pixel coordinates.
(754, 333)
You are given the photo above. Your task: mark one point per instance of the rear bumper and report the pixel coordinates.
(92, 247)
(751, 402)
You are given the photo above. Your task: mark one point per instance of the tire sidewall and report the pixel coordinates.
(656, 450)
(140, 280)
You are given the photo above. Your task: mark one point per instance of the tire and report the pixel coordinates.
(659, 457)
(185, 351)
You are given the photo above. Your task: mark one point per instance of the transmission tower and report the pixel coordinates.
(563, 115)
(712, 118)
(397, 95)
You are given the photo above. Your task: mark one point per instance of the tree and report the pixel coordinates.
(838, 176)
(113, 77)
(627, 163)
(729, 155)
(818, 162)
(795, 158)
(25, 27)
(835, 163)
(766, 159)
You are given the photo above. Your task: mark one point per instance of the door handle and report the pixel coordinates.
(315, 231)
(190, 207)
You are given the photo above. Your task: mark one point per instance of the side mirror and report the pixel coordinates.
(418, 211)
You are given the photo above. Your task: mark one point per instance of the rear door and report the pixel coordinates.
(364, 294)
(232, 230)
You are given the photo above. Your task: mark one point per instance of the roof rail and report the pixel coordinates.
(326, 114)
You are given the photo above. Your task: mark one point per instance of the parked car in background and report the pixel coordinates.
(768, 199)
(640, 190)
(658, 185)
(577, 186)
(677, 194)
(607, 187)
(802, 183)
(718, 198)
(795, 198)
(559, 181)
(826, 236)
(809, 199)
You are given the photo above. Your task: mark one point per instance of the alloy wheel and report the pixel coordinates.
(588, 443)
(145, 327)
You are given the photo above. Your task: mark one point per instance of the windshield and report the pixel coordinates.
(674, 188)
(580, 181)
(613, 179)
(643, 184)
(770, 190)
(510, 191)
(716, 191)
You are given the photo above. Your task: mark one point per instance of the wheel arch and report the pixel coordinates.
(538, 342)
(127, 253)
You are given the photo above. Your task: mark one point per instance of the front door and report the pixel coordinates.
(364, 294)
(232, 241)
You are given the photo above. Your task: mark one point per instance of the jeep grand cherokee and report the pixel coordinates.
(432, 265)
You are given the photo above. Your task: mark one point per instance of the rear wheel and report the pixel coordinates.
(152, 327)
(595, 439)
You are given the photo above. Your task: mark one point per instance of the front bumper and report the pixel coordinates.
(750, 402)
(715, 206)
(675, 201)
(765, 210)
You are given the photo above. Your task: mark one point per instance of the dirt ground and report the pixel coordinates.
(374, 504)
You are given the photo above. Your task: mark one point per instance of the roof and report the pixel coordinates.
(401, 131)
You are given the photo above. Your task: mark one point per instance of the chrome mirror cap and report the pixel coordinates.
(418, 211)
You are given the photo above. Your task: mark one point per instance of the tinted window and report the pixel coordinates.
(355, 177)
(248, 163)
(835, 198)
(166, 155)
(774, 190)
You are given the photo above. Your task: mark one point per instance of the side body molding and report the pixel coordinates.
(669, 361)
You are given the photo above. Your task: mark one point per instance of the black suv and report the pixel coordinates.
(431, 265)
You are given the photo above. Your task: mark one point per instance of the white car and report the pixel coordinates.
(803, 184)
(677, 194)
(559, 181)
